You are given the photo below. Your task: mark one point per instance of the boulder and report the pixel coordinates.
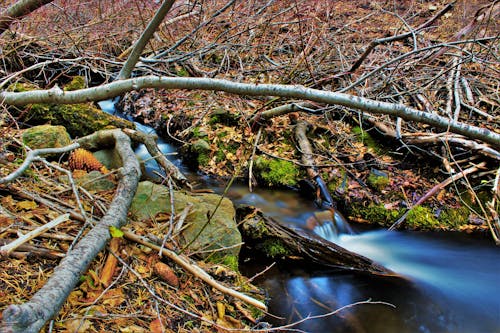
(46, 136)
(218, 232)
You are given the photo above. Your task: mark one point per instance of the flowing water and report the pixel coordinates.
(452, 281)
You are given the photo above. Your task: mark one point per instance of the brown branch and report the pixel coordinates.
(195, 270)
(379, 41)
(437, 188)
(18, 10)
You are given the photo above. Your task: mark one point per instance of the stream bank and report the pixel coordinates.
(370, 182)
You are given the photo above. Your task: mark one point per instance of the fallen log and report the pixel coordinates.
(267, 236)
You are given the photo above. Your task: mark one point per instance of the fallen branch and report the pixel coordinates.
(32, 315)
(116, 88)
(437, 188)
(258, 229)
(150, 142)
(18, 10)
(195, 270)
(32, 155)
(306, 151)
(6, 249)
(385, 40)
(25, 250)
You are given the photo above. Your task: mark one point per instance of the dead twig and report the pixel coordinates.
(6, 249)
(435, 189)
(195, 270)
(380, 41)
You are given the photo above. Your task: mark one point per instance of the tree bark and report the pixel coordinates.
(116, 88)
(141, 43)
(45, 304)
(18, 10)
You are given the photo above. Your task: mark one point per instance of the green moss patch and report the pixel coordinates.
(277, 172)
(274, 248)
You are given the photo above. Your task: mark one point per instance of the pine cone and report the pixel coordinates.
(81, 159)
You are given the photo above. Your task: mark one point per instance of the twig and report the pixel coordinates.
(32, 315)
(6, 249)
(71, 181)
(27, 249)
(379, 41)
(435, 189)
(32, 154)
(195, 270)
(495, 225)
(250, 166)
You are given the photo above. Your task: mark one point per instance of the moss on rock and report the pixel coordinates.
(46, 136)
(277, 172)
(78, 119)
(274, 248)
(78, 82)
(377, 180)
(375, 213)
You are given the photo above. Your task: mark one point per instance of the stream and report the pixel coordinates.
(452, 281)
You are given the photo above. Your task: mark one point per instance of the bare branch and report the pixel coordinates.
(19, 9)
(116, 88)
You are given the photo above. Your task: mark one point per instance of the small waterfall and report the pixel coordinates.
(329, 224)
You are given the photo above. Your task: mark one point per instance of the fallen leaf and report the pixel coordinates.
(27, 205)
(156, 326)
(111, 262)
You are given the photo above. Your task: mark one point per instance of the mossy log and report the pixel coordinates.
(269, 237)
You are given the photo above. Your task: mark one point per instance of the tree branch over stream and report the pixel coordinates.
(106, 91)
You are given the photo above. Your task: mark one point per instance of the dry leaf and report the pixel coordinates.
(156, 326)
(78, 326)
(111, 262)
(133, 329)
(221, 310)
(27, 205)
(114, 297)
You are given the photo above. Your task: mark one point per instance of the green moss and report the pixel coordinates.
(420, 217)
(334, 183)
(231, 261)
(21, 87)
(274, 248)
(201, 150)
(453, 218)
(223, 116)
(375, 213)
(197, 132)
(377, 182)
(46, 136)
(277, 172)
(79, 119)
(365, 137)
(78, 82)
(181, 71)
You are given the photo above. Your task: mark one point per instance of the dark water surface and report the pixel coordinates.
(453, 281)
(452, 285)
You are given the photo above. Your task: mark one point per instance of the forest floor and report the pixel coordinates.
(373, 176)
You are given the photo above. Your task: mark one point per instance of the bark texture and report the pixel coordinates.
(116, 88)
